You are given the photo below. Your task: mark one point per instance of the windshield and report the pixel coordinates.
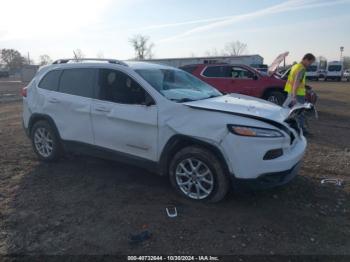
(311, 68)
(178, 85)
(334, 68)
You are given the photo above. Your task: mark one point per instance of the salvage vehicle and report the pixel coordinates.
(242, 79)
(165, 120)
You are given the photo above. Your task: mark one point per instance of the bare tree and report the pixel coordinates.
(213, 52)
(28, 61)
(45, 60)
(12, 58)
(78, 54)
(142, 47)
(235, 48)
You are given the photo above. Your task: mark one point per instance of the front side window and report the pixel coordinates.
(241, 73)
(217, 71)
(50, 80)
(118, 87)
(78, 81)
(178, 85)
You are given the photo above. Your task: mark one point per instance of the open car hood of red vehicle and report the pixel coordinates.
(273, 67)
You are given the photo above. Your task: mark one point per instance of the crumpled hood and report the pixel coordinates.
(244, 105)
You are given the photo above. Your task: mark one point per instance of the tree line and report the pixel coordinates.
(143, 48)
(14, 60)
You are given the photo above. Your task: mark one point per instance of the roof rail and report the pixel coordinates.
(111, 61)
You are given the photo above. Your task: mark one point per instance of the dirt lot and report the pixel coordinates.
(83, 205)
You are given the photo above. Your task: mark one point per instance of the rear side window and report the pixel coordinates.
(50, 80)
(78, 82)
(216, 71)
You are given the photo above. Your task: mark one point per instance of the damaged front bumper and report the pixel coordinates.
(266, 181)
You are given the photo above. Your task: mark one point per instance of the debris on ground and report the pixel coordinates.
(335, 181)
(171, 212)
(139, 238)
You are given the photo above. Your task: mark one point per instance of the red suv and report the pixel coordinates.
(242, 79)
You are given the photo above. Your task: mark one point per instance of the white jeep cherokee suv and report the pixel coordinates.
(165, 120)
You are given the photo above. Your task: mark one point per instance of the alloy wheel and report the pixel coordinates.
(43, 141)
(273, 99)
(194, 178)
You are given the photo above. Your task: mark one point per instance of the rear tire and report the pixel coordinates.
(197, 174)
(275, 97)
(45, 141)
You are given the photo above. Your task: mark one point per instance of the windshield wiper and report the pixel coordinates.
(212, 96)
(182, 100)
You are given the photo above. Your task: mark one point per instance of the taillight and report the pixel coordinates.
(24, 91)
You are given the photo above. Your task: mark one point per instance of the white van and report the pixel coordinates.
(335, 70)
(312, 71)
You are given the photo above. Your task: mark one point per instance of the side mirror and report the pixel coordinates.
(148, 100)
(150, 103)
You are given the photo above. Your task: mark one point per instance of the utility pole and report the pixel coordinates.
(341, 52)
(28, 59)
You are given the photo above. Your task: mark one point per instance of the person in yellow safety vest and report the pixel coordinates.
(295, 86)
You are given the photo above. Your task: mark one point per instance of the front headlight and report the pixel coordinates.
(253, 131)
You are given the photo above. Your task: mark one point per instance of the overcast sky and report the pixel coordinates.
(178, 28)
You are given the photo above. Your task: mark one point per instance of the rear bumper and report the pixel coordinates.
(268, 180)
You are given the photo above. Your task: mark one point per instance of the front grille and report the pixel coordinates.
(292, 123)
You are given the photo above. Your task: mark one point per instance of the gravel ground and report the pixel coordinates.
(83, 205)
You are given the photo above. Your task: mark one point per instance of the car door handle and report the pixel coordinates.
(102, 109)
(54, 100)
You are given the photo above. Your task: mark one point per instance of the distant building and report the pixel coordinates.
(177, 62)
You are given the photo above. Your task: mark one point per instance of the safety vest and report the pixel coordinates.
(291, 78)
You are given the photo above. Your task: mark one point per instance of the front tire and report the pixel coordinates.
(45, 141)
(196, 173)
(276, 97)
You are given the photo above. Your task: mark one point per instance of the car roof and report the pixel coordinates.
(134, 65)
(146, 65)
(216, 64)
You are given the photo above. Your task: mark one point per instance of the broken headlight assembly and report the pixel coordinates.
(254, 131)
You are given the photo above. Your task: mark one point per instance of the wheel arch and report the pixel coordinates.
(273, 89)
(177, 142)
(34, 118)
